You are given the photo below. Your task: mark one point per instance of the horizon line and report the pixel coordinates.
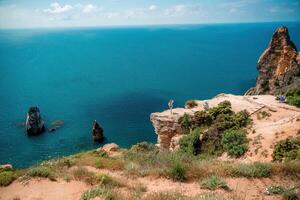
(144, 25)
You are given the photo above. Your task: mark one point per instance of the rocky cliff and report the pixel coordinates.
(284, 119)
(278, 66)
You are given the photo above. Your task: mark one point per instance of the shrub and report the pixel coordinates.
(223, 108)
(185, 122)
(202, 118)
(103, 193)
(293, 97)
(6, 178)
(107, 180)
(263, 115)
(143, 147)
(288, 149)
(190, 104)
(165, 196)
(293, 92)
(211, 141)
(275, 189)
(177, 172)
(43, 172)
(190, 143)
(234, 142)
(213, 183)
(82, 174)
(255, 170)
(241, 119)
(295, 101)
(290, 195)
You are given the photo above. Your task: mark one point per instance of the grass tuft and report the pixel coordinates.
(213, 183)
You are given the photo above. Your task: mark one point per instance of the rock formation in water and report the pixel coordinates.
(97, 132)
(34, 123)
(278, 66)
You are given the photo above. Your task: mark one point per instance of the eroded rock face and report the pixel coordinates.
(34, 123)
(167, 127)
(97, 132)
(278, 66)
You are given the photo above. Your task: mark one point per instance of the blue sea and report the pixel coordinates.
(118, 76)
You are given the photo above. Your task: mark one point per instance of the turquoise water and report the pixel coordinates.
(117, 76)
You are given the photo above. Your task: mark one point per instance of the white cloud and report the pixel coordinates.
(56, 8)
(278, 9)
(89, 8)
(182, 10)
(152, 7)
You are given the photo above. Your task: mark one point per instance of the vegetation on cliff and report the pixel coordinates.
(293, 97)
(288, 149)
(214, 131)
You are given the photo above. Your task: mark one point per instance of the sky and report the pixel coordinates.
(89, 13)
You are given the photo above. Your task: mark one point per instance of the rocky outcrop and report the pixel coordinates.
(34, 123)
(6, 167)
(111, 147)
(169, 131)
(278, 66)
(97, 132)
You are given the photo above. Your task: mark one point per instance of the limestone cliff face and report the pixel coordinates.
(278, 66)
(168, 129)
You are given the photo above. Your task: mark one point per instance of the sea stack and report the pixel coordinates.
(278, 66)
(34, 122)
(97, 132)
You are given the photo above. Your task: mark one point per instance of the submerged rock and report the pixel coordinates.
(97, 132)
(278, 66)
(34, 123)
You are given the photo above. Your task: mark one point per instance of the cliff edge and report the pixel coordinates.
(283, 120)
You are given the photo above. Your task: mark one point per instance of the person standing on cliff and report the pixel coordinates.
(170, 104)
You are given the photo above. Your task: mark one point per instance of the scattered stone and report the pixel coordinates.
(34, 123)
(109, 148)
(97, 132)
(6, 166)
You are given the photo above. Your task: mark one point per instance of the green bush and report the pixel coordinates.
(293, 92)
(185, 122)
(213, 183)
(235, 142)
(190, 143)
(43, 172)
(223, 108)
(293, 97)
(288, 149)
(103, 193)
(211, 141)
(202, 118)
(143, 147)
(6, 178)
(295, 101)
(190, 104)
(255, 170)
(177, 172)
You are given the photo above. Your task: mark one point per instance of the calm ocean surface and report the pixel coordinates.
(117, 76)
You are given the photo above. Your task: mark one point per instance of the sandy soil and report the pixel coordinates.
(42, 189)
